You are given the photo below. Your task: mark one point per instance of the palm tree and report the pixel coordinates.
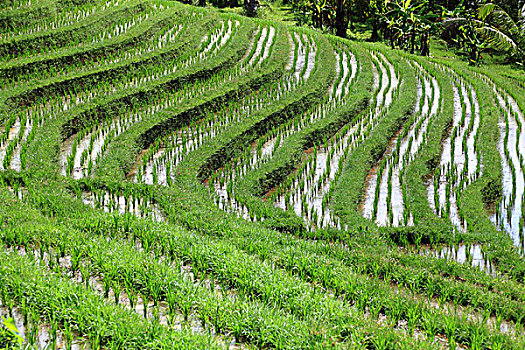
(501, 31)
(488, 26)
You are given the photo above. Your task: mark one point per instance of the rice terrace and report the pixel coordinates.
(344, 174)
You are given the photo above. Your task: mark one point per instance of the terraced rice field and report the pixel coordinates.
(179, 178)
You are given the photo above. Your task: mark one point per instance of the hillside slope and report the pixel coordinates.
(176, 177)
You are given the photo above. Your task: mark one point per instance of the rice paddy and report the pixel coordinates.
(176, 177)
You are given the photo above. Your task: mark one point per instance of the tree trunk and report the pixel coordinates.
(375, 29)
(425, 51)
(473, 55)
(341, 25)
(251, 7)
(412, 41)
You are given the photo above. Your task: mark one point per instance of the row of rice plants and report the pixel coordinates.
(463, 253)
(448, 269)
(309, 189)
(386, 187)
(92, 140)
(262, 149)
(112, 202)
(135, 41)
(264, 37)
(460, 161)
(508, 214)
(95, 29)
(76, 309)
(191, 137)
(12, 146)
(295, 254)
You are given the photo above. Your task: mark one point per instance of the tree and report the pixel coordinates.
(342, 9)
(408, 25)
(318, 8)
(377, 8)
(486, 26)
(502, 31)
(461, 27)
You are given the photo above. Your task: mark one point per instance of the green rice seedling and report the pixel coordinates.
(85, 272)
(53, 332)
(413, 315)
(430, 323)
(68, 336)
(32, 328)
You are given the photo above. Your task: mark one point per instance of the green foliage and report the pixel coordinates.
(409, 25)
(488, 26)
(9, 336)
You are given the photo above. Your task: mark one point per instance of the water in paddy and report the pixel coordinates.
(511, 146)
